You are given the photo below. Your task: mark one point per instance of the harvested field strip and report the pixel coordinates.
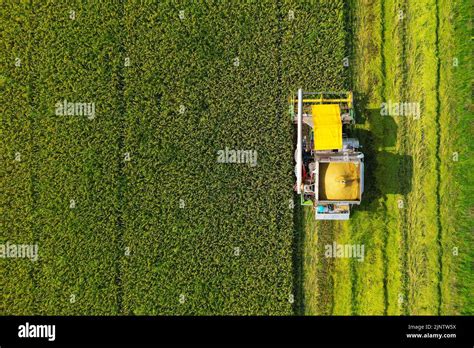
(403, 220)
(408, 184)
(395, 91)
(342, 275)
(375, 223)
(422, 209)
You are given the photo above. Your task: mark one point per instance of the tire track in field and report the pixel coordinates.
(384, 94)
(438, 162)
(350, 38)
(383, 69)
(404, 169)
(395, 32)
(298, 230)
(349, 9)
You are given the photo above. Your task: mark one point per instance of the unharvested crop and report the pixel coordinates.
(132, 211)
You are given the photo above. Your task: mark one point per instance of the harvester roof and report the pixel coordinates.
(327, 126)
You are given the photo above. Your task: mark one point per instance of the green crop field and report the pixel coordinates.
(114, 119)
(131, 210)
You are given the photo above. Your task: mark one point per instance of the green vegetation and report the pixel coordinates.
(157, 226)
(228, 250)
(65, 184)
(16, 198)
(456, 189)
(131, 210)
(411, 217)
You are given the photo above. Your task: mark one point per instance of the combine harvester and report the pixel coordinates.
(329, 168)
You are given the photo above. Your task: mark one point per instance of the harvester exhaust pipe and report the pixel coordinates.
(299, 149)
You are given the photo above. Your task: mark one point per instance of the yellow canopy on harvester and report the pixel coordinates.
(327, 126)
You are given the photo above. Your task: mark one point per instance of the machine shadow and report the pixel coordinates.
(385, 172)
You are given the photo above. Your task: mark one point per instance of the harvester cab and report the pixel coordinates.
(329, 167)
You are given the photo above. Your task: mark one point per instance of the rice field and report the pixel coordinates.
(122, 128)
